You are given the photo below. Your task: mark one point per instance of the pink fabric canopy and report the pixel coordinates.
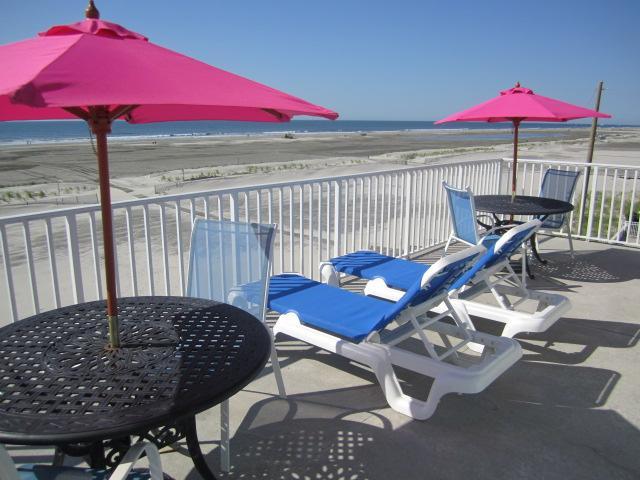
(517, 105)
(100, 72)
(522, 104)
(95, 62)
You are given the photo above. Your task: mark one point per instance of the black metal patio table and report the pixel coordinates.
(60, 385)
(521, 205)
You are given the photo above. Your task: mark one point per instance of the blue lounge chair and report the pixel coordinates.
(390, 277)
(375, 332)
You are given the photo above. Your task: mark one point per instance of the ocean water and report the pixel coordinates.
(66, 131)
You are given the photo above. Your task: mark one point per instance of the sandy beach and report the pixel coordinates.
(44, 176)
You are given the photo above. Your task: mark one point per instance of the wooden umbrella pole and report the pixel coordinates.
(516, 125)
(101, 126)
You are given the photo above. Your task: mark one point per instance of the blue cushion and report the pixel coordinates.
(346, 314)
(401, 274)
(45, 472)
(396, 272)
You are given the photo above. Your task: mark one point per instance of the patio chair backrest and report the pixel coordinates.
(230, 262)
(559, 185)
(463, 213)
(500, 250)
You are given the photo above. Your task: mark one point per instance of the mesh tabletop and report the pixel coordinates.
(179, 356)
(521, 205)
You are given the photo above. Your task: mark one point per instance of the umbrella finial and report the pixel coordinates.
(517, 85)
(92, 11)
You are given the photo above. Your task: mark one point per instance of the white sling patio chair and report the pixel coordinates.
(124, 470)
(559, 185)
(226, 257)
(463, 215)
(372, 332)
(390, 277)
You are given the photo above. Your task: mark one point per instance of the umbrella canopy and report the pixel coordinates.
(517, 105)
(94, 62)
(100, 72)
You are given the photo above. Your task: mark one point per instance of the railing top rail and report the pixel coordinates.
(62, 212)
(578, 164)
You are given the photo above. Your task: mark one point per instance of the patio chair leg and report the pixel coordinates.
(275, 364)
(570, 242)
(525, 266)
(225, 453)
(446, 247)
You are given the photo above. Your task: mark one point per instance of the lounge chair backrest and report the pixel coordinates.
(436, 280)
(439, 277)
(463, 213)
(559, 185)
(516, 236)
(501, 250)
(227, 256)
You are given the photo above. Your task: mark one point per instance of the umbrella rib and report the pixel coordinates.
(121, 111)
(78, 112)
(275, 113)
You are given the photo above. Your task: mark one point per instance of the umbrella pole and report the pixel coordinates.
(516, 125)
(101, 126)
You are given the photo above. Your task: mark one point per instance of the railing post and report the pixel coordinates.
(74, 259)
(233, 212)
(11, 293)
(592, 204)
(337, 207)
(407, 213)
(500, 167)
(233, 206)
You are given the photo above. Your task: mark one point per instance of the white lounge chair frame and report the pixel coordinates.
(381, 350)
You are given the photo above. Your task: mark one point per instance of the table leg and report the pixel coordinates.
(528, 269)
(97, 457)
(534, 249)
(193, 445)
(58, 457)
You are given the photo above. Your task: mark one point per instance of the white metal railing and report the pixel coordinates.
(54, 258)
(606, 199)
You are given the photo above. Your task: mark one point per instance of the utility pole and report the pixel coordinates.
(592, 141)
(594, 125)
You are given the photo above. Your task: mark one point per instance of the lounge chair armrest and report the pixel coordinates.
(133, 455)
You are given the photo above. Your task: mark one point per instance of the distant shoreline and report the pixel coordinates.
(14, 134)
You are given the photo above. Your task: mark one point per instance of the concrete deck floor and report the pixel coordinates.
(568, 409)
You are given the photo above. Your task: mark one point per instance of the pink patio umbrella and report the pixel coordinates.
(100, 72)
(520, 104)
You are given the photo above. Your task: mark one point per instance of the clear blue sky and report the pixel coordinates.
(389, 60)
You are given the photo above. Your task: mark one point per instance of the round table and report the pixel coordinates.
(60, 385)
(521, 205)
